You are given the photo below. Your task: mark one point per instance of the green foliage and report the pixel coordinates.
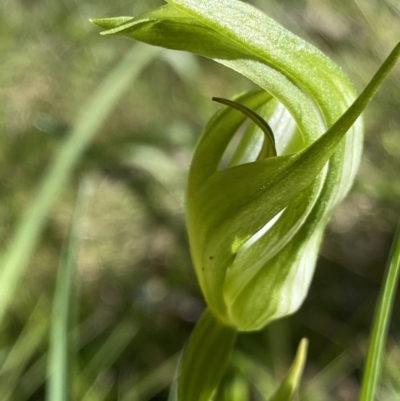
(379, 331)
(91, 119)
(292, 381)
(60, 350)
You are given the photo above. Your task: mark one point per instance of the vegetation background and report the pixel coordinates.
(136, 294)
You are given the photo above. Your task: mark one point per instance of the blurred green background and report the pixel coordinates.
(136, 294)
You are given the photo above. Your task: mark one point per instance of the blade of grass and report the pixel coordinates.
(59, 364)
(151, 384)
(173, 388)
(381, 321)
(291, 383)
(112, 348)
(330, 376)
(36, 375)
(259, 377)
(91, 119)
(391, 368)
(105, 357)
(22, 350)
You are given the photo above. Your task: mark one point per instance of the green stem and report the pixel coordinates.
(205, 358)
(381, 322)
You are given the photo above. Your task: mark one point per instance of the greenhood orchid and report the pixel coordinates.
(255, 226)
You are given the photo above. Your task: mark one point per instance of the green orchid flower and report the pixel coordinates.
(255, 227)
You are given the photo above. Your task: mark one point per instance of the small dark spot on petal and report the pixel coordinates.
(211, 257)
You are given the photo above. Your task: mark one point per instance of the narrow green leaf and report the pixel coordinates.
(292, 381)
(153, 382)
(33, 335)
(36, 375)
(59, 363)
(105, 356)
(332, 374)
(205, 358)
(91, 119)
(112, 348)
(380, 325)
